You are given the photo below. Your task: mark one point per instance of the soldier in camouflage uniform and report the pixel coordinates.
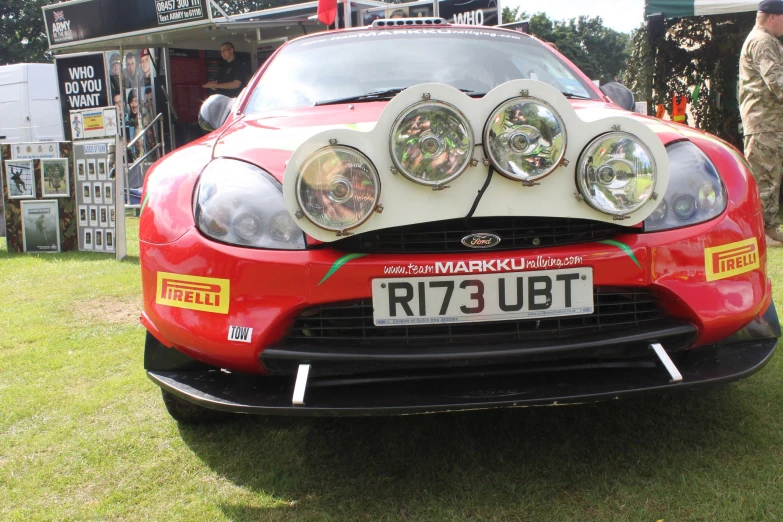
(761, 105)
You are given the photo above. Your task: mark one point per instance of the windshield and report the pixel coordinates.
(345, 65)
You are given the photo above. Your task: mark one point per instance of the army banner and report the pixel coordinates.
(81, 20)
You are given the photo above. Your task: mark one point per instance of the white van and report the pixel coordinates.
(30, 108)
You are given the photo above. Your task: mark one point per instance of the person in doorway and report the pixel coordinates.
(761, 107)
(232, 76)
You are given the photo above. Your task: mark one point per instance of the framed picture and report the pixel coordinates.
(102, 169)
(88, 232)
(83, 222)
(86, 193)
(19, 179)
(81, 173)
(97, 190)
(107, 193)
(98, 240)
(93, 216)
(109, 240)
(91, 173)
(40, 226)
(103, 216)
(56, 178)
(112, 221)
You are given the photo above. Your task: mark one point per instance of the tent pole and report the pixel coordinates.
(169, 98)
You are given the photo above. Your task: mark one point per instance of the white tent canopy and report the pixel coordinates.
(678, 8)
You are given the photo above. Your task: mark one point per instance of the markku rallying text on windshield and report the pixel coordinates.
(484, 266)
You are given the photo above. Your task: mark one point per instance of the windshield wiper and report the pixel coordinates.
(370, 96)
(382, 95)
(574, 96)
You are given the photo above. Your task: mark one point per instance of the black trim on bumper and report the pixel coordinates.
(433, 390)
(244, 394)
(283, 359)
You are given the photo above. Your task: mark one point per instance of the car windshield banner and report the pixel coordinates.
(90, 19)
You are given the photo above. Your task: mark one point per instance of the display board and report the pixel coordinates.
(100, 208)
(39, 197)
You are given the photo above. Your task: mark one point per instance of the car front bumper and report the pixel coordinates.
(478, 386)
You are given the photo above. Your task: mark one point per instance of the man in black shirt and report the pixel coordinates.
(232, 75)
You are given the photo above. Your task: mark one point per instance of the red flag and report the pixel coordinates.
(327, 11)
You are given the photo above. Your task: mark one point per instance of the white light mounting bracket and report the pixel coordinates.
(407, 203)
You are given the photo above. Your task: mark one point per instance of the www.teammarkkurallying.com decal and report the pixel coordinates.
(484, 266)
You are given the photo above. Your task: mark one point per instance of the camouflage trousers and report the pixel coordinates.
(764, 152)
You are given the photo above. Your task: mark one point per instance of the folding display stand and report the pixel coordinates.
(98, 176)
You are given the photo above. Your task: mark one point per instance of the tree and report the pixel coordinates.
(681, 54)
(600, 52)
(22, 32)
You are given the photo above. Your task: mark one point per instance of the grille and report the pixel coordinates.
(446, 236)
(351, 322)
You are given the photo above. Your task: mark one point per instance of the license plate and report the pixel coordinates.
(482, 297)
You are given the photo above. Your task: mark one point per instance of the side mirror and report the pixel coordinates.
(214, 111)
(619, 94)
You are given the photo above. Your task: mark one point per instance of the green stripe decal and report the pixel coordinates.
(338, 264)
(622, 246)
(144, 203)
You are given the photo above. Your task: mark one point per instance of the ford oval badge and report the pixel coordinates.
(481, 241)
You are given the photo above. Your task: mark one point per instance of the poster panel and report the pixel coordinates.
(40, 226)
(29, 180)
(82, 82)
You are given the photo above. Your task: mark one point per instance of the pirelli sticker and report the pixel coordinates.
(733, 259)
(204, 294)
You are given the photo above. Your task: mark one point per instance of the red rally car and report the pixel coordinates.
(418, 217)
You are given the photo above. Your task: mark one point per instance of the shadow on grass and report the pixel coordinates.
(68, 256)
(463, 461)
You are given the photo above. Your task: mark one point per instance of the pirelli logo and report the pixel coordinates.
(194, 293)
(733, 259)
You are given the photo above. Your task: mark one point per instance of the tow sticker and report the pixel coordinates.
(242, 334)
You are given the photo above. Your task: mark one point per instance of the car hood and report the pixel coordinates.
(268, 140)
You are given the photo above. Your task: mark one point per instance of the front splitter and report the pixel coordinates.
(469, 389)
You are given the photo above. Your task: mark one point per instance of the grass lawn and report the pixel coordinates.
(84, 436)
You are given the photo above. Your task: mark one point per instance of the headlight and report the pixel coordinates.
(240, 204)
(431, 143)
(616, 173)
(525, 139)
(695, 193)
(338, 188)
